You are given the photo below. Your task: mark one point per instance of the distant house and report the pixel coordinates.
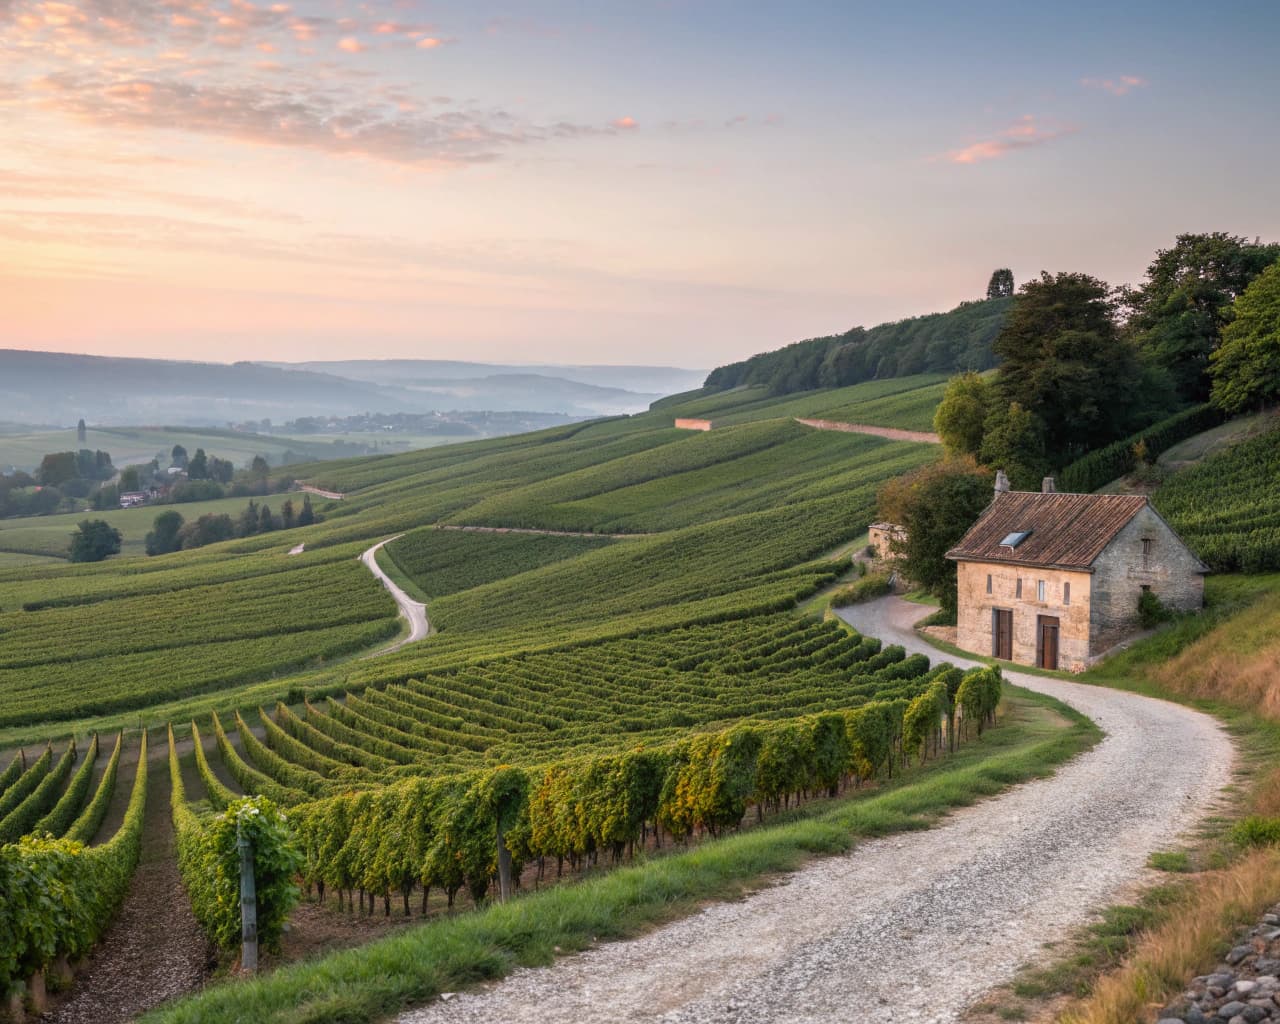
(684, 423)
(1054, 580)
(881, 536)
(131, 499)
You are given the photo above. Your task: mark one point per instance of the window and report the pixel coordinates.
(1146, 551)
(1039, 590)
(1066, 593)
(1018, 591)
(988, 583)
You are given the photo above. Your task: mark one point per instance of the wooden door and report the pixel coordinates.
(1048, 641)
(1002, 634)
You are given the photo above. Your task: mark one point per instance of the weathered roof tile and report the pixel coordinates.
(1067, 531)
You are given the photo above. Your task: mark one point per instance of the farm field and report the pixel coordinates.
(49, 536)
(134, 445)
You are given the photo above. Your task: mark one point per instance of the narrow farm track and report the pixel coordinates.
(539, 533)
(892, 433)
(414, 611)
(911, 927)
(154, 950)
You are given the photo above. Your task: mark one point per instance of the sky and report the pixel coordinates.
(683, 182)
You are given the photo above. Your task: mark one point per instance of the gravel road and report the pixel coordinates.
(913, 927)
(892, 433)
(414, 611)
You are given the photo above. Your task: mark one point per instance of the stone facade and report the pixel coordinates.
(1146, 553)
(684, 423)
(879, 536)
(1066, 598)
(1101, 607)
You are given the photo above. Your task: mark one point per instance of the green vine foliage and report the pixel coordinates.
(59, 895)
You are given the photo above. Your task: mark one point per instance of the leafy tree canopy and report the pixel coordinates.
(1001, 284)
(962, 412)
(1177, 314)
(93, 541)
(936, 504)
(1246, 368)
(1063, 360)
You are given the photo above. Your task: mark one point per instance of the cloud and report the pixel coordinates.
(358, 123)
(1022, 134)
(429, 43)
(1116, 86)
(350, 44)
(625, 123)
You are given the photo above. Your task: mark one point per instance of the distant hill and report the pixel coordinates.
(938, 343)
(663, 380)
(58, 388)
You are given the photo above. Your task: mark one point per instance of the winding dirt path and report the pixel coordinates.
(912, 927)
(540, 533)
(892, 433)
(414, 611)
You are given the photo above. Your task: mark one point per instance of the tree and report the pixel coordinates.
(130, 479)
(1246, 367)
(221, 470)
(1064, 362)
(960, 416)
(936, 505)
(210, 528)
(1001, 284)
(93, 541)
(179, 456)
(164, 535)
(286, 515)
(306, 517)
(1013, 440)
(198, 466)
(259, 467)
(82, 432)
(1177, 315)
(248, 524)
(266, 521)
(57, 468)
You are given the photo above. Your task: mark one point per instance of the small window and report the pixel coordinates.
(1040, 590)
(1018, 590)
(988, 583)
(1146, 551)
(1066, 593)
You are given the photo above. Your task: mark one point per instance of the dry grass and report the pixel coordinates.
(1238, 663)
(1185, 944)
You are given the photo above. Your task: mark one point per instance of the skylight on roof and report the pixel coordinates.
(1012, 540)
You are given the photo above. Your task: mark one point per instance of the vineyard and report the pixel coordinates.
(583, 697)
(1227, 508)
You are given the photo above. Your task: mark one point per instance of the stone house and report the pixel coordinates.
(880, 537)
(1054, 580)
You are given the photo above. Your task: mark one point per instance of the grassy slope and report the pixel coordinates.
(374, 981)
(51, 535)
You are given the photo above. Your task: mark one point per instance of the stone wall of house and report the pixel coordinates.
(1126, 565)
(879, 537)
(974, 624)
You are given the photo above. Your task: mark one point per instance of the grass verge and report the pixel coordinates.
(376, 980)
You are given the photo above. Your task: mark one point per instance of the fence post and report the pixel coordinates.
(504, 866)
(248, 904)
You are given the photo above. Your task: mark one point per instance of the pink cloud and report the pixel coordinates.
(625, 123)
(1116, 86)
(350, 44)
(1022, 134)
(429, 43)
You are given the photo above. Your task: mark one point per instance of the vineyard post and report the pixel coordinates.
(248, 904)
(504, 866)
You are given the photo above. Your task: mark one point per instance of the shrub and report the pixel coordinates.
(864, 589)
(1257, 831)
(1151, 610)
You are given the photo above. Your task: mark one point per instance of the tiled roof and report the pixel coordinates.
(1066, 531)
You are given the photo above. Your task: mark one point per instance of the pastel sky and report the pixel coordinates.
(682, 182)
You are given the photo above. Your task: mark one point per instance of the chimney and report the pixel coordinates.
(1048, 486)
(1002, 481)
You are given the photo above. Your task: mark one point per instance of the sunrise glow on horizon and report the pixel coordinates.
(672, 182)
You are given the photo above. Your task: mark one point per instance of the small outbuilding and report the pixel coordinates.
(1054, 580)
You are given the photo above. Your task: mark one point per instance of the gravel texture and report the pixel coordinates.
(912, 927)
(1244, 989)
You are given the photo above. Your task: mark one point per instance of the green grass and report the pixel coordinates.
(376, 980)
(51, 535)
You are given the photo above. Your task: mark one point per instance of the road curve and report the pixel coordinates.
(911, 927)
(414, 611)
